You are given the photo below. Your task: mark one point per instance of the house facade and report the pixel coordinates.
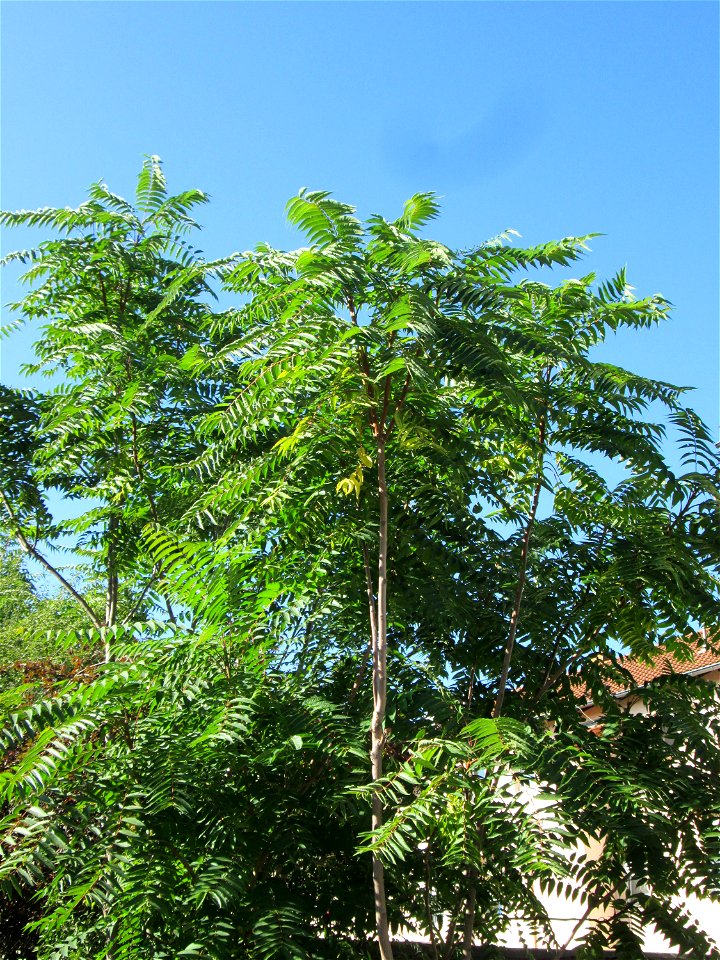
(568, 919)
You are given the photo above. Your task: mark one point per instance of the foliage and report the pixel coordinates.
(388, 501)
(106, 433)
(190, 828)
(30, 622)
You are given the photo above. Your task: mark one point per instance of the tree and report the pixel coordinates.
(107, 432)
(465, 387)
(397, 471)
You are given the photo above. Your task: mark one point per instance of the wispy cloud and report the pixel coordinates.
(500, 139)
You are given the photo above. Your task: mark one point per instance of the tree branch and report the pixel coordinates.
(387, 388)
(36, 555)
(469, 925)
(138, 603)
(400, 403)
(151, 499)
(564, 948)
(365, 369)
(515, 615)
(386, 402)
(428, 911)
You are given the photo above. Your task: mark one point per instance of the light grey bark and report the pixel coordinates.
(380, 705)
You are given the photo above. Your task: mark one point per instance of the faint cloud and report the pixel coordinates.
(495, 143)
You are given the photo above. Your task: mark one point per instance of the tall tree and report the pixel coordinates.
(371, 499)
(470, 396)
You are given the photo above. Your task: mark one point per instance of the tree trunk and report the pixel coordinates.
(370, 649)
(379, 705)
(469, 921)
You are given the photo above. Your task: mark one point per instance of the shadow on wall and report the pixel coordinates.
(423, 951)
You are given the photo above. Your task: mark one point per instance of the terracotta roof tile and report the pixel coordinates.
(664, 663)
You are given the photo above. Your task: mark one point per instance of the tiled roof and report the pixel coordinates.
(667, 663)
(664, 663)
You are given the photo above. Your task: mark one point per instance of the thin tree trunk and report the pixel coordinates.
(566, 946)
(469, 924)
(450, 936)
(428, 910)
(507, 658)
(378, 629)
(111, 602)
(140, 473)
(379, 705)
(138, 603)
(469, 918)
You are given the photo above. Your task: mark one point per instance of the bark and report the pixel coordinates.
(380, 705)
(378, 631)
(428, 909)
(138, 603)
(140, 473)
(507, 658)
(509, 646)
(469, 924)
(450, 936)
(566, 946)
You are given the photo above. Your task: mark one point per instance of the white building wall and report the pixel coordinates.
(566, 914)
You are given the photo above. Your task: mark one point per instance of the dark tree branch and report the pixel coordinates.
(32, 551)
(365, 369)
(469, 925)
(138, 603)
(428, 911)
(515, 615)
(151, 499)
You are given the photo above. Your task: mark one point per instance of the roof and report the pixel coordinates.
(701, 660)
(665, 663)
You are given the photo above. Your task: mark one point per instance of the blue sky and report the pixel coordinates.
(550, 118)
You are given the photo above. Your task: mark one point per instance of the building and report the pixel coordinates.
(566, 915)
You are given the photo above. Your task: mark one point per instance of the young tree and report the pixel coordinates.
(468, 395)
(387, 508)
(120, 412)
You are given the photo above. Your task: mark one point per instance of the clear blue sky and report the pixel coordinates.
(551, 118)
